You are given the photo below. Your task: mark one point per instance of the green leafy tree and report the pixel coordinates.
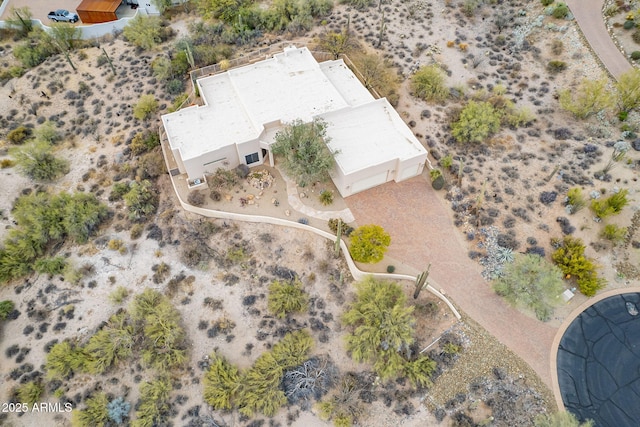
(589, 98)
(37, 161)
(560, 419)
(531, 282)
(94, 415)
(286, 297)
(6, 307)
(166, 340)
(141, 200)
(221, 383)
(65, 36)
(628, 90)
(428, 84)
(303, 150)
(378, 73)
(369, 243)
(477, 122)
(154, 403)
(147, 106)
(37, 47)
(337, 43)
(145, 32)
(383, 331)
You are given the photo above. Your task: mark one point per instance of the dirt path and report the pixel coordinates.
(588, 14)
(422, 232)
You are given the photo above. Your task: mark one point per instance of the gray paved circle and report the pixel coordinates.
(599, 363)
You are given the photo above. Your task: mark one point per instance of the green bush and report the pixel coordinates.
(561, 11)
(635, 55)
(477, 122)
(146, 32)
(589, 98)
(614, 233)
(95, 413)
(119, 295)
(573, 262)
(153, 408)
(612, 205)
(428, 84)
(555, 66)
(144, 141)
(63, 360)
(141, 200)
(37, 161)
(30, 393)
(531, 282)
(110, 345)
(286, 297)
(6, 307)
(547, 2)
(629, 24)
(333, 226)
(369, 243)
(636, 36)
(147, 105)
(221, 383)
(575, 200)
(326, 197)
(391, 269)
(51, 266)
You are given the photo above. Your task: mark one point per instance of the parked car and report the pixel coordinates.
(62, 15)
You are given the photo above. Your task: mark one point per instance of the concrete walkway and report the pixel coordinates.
(588, 14)
(422, 232)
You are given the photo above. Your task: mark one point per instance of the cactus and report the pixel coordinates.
(421, 282)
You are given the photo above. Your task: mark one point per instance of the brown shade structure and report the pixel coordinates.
(96, 11)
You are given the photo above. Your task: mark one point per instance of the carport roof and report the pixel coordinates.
(99, 5)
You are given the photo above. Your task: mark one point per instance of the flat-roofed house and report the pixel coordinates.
(245, 107)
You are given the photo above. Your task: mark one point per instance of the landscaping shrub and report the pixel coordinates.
(615, 234)
(636, 36)
(428, 84)
(326, 197)
(572, 261)
(95, 413)
(333, 226)
(612, 205)
(141, 200)
(286, 297)
(19, 135)
(147, 105)
(629, 24)
(556, 66)
(575, 200)
(561, 11)
(635, 55)
(369, 243)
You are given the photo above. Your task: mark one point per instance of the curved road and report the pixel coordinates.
(588, 14)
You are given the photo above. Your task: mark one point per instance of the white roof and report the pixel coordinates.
(289, 86)
(369, 134)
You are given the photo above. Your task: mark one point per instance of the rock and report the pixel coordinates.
(228, 197)
(250, 197)
(287, 212)
(303, 195)
(636, 144)
(251, 202)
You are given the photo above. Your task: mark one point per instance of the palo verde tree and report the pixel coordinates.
(286, 297)
(369, 243)
(20, 18)
(383, 332)
(146, 32)
(428, 84)
(590, 97)
(378, 73)
(303, 150)
(628, 90)
(530, 281)
(477, 122)
(37, 161)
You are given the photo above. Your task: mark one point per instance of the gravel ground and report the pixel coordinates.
(481, 354)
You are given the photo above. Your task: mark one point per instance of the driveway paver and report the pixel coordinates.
(422, 232)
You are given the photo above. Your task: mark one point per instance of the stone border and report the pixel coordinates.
(355, 271)
(553, 359)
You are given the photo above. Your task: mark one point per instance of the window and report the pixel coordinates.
(251, 158)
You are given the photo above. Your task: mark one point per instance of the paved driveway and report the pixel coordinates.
(422, 232)
(40, 8)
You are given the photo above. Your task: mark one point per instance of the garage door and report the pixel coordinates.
(369, 182)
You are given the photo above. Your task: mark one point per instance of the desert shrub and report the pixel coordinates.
(30, 393)
(548, 197)
(391, 269)
(35, 49)
(308, 381)
(378, 73)
(144, 141)
(196, 198)
(6, 307)
(428, 84)
(95, 413)
(333, 226)
(635, 55)
(147, 106)
(51, 266)
(153, 408)
(575, 200)
(6, 163)
(561, 11)
(383, 331)
(43, 220)
(557, 46)
(590, 97)
(141, 200)
(531, 282)
(118, 295)
(221, 383)
(150, 165)
(175, 86)
(629, 24)
(556, 66)
(326, 197)
(19, 135)
(136, 231)
(573, 262)
(477, 121)
(37, 161)
(369, 243)
(118, 410)
(63, 360)
(614, 233)
(628, 82)
(110, 345)
(344, 407)
(119, 189)
(286, 297)
(612, 205)
(636, 36)
(222, 179)
(359, 4)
